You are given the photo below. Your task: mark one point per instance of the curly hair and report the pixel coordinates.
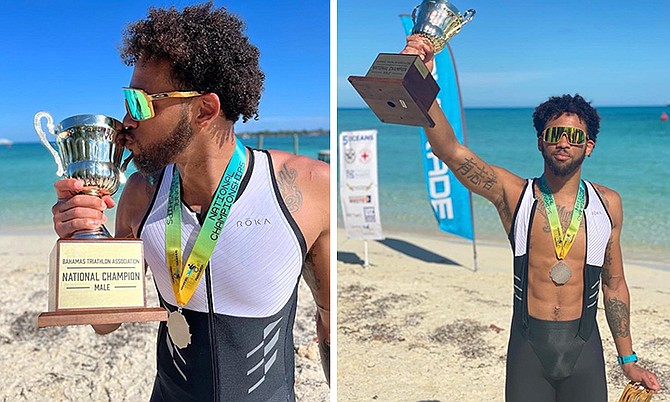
(207, 51)
(558, 105)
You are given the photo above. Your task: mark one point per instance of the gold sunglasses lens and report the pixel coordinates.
(575, 136)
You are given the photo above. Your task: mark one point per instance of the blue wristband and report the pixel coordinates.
(627, 359)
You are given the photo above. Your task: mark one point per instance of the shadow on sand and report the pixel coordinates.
(414, 251)
(349, 258)
(401, 246)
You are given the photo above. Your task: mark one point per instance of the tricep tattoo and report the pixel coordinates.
(309, 274)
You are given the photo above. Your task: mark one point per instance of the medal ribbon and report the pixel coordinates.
(562, 244)
(185, 278)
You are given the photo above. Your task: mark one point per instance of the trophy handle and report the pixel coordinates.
(468, 15)
(122, 169)
(414, 14)
(45, 142)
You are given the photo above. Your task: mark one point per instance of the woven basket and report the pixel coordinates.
(635, 392)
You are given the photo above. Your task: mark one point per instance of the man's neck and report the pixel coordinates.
(563, 186)
(201, 166)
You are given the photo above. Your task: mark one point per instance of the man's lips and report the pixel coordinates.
(126, 139)
(561, 156)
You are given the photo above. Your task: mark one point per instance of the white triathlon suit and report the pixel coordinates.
(242, 312)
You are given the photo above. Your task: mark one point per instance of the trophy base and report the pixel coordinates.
(399, 89)
(97, 281)
(103, 316)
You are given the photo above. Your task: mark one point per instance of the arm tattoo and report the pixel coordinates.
(503, 209)
(616, 312)
(480, 176)
(607, 264)
(606, 275)
(289, 189)
(308, 273)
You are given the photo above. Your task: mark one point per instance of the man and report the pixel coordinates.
(565, 234)
(229, 333)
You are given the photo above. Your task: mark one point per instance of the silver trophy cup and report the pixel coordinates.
(438, 21)
(87, 150)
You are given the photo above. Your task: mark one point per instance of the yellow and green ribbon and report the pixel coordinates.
(562, 244)
(185, 278)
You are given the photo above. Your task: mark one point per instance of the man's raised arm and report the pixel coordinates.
(496, 184)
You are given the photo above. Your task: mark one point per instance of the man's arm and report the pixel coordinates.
(316, 272)
(496, 184)
(304, 184)
(616, 295)
(316, 269)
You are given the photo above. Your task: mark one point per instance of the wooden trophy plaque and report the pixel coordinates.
(97, 282)
(399, 89)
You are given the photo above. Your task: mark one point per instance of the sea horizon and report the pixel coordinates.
(29, 172)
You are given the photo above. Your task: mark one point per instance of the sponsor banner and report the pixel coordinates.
(359, 188)
(450, 200)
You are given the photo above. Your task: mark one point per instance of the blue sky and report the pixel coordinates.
(62, 57)
(518, 53)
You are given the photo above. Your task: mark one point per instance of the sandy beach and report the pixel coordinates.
(75, 364)
(420, 325)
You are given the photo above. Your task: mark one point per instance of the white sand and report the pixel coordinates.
(75, 364)
(414, 330)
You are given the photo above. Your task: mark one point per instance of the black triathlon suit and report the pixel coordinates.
(558, 361)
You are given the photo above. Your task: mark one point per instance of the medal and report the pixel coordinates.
(178, 329)
(560, 273)
(186, 277)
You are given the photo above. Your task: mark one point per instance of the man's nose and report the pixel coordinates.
(563, 141)
(128, 122)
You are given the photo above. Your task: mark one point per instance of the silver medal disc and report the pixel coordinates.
(560, 273)
(178, 330)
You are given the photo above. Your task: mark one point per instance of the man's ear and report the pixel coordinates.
(539, 144)
(590, 144)
(207, 109)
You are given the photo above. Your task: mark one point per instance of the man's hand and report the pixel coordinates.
(422, 47)
(641, 375)
(74, 212)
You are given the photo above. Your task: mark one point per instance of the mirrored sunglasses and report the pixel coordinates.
(140, 106)
(575, 136)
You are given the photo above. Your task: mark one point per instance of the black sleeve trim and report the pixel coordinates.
(284, 208)
(510, 235)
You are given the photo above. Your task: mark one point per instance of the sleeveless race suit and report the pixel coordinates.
(557, 360)
(242, 312)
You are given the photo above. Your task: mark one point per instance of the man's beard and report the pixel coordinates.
(155, 157)
(562, 170)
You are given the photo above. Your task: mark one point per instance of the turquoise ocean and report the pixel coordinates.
(28, 171)
(631, 156)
